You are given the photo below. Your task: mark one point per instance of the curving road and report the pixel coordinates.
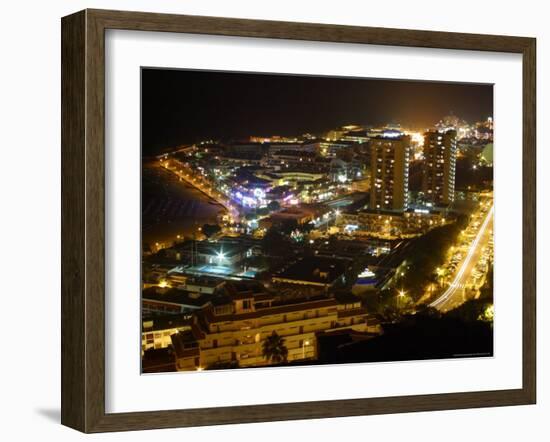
(454, 295)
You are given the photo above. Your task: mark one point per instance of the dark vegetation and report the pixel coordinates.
(425, 335)
(274, 349)
(211, 229)
(470, 178)
(426, 253)
(487, 289)
(276, 243)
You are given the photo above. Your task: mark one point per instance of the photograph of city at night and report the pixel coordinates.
(293, 220)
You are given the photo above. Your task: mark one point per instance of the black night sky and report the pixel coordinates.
(180, 107)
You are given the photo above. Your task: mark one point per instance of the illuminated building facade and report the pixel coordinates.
(392, 224)
(329, 149)
(156, 332)
(438, 181)
(233, 333)
(390, 172)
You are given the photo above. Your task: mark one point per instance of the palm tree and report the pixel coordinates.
(274, 349)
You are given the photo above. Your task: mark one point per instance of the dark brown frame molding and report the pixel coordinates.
(83, 217)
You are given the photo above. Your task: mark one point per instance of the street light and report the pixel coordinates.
(306, 342)
(401, 294)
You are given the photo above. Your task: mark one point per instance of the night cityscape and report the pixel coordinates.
(295, 220)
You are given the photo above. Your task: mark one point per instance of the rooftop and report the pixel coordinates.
(297, 153)
(357, 133)
(229, 248)
(166, 322)
(177, 296)
(347, 298)
(290, 306)
(315, 269)
(294, 212)
(245, 289)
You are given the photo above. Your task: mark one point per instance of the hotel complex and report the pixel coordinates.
(232, 329)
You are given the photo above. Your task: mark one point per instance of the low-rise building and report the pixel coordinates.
(234, 336)
(156, 332)
(392, 224)
(295, 215)
(342, 171)
(318, 271)
(330, 149)
(179, 278)
(227, 253)
(276, 147)
(156, 301)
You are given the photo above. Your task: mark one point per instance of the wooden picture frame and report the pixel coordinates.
(83, 220)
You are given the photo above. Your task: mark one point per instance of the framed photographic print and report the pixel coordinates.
(266, 221)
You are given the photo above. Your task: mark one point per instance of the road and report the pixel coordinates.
(453, 296)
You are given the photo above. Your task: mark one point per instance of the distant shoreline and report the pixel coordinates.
(171, 207)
